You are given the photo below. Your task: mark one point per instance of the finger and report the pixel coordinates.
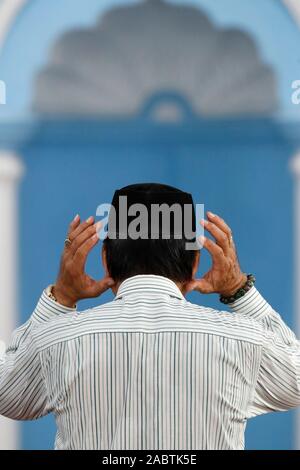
(83, 237)
(219, 222)
(72, 227)
(221, 237)
(200, 285)
(215, 251)
(98, 287)
(74, 224)
(80, 228)
(81, 254)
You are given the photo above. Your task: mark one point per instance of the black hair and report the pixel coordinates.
(163, 257)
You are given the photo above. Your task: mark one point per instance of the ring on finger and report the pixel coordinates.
(67, 242)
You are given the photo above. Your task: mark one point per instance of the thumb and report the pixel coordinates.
(200, 285)
(103, 285)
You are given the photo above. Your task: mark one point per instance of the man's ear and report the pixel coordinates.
(196, 263)
(104, 262)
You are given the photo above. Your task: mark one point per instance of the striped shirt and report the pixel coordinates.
(150, 370)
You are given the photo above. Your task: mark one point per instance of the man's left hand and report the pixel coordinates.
(225, 276)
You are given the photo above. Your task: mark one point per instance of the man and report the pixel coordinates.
(150, 370)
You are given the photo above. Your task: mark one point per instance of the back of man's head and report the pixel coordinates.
(168, 257)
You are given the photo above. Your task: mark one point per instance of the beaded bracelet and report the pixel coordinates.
(241, 292)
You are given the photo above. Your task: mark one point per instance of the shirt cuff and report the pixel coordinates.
(251, 304)
(47, 309)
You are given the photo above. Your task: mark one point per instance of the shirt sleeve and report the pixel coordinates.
(23, 394)
(278, 381)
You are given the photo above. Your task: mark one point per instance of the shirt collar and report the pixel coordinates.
(144, 283)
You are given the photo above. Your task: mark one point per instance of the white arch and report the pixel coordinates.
(9, 10)
(293, 7)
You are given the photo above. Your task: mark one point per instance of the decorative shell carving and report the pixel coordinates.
(138, 50)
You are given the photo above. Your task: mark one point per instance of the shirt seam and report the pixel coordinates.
(39, 351)
(252, 395)
(45, 347)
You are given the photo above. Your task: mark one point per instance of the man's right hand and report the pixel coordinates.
(225, 276)
(73, 283)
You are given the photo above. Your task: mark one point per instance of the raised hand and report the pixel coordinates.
(73, 283)
(225, 276)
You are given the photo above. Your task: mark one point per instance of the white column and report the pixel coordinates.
(10, 173)
(295, 167)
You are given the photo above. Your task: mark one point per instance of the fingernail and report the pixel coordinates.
(76, 218)
(202, 239)
(90, 219)
(211, 214)
(203, 222)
